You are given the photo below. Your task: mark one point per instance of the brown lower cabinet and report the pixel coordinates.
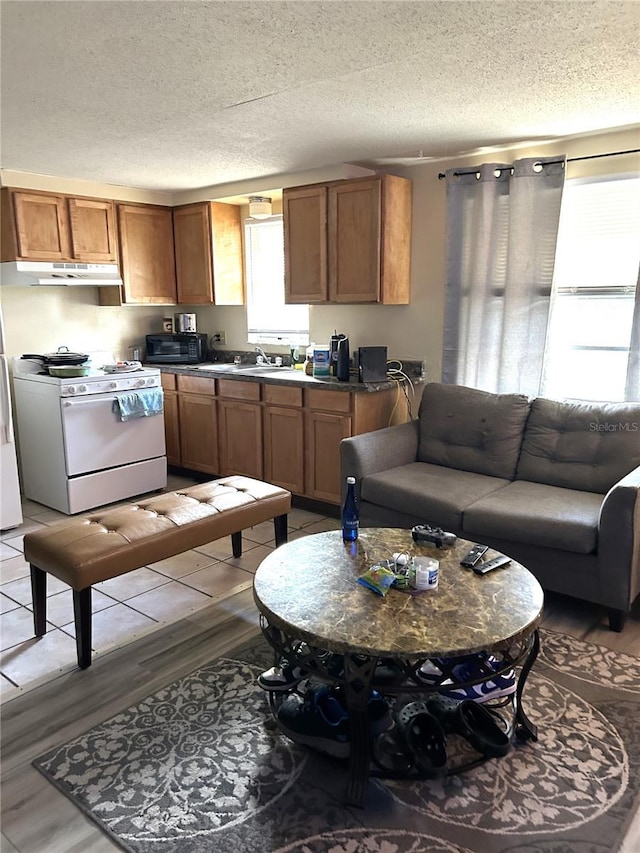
(198, 433)
(191, 422)
(284, 434)
(283, 437)
(171, 419)
(327, 421)
(240, 436)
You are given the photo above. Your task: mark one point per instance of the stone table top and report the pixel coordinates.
(308, 589)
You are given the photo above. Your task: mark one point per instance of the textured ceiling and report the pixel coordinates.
(179, 95)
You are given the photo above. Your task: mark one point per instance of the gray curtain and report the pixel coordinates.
(502, 224)
(632, 387)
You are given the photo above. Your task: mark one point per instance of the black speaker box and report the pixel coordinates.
(372, 364)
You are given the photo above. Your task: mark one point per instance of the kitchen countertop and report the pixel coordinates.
(279, 376)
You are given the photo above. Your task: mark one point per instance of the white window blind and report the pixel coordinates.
(269, 320)
(596, 271)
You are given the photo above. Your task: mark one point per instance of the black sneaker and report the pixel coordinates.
(380, 718)
(318, 721)
(281, 678)
(321, 720)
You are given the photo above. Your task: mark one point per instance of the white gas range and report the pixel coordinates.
(76, 451)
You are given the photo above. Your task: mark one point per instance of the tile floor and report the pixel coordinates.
(125, 607)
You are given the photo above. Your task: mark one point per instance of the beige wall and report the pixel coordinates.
(41, 319)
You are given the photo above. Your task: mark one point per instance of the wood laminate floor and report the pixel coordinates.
(36, 818)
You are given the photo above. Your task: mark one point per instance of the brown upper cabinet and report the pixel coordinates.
(305, 244)
(146, 252)
(39, 226)
(348, 241)
(208, 247)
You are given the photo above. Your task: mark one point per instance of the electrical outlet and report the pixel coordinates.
(219, 338)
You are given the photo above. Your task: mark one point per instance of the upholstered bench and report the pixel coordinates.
(85, 550)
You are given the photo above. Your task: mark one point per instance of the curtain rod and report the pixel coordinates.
(442, 176)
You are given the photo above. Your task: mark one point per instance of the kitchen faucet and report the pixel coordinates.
(261, 352)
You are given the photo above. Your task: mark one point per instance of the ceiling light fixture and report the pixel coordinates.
(259, 207)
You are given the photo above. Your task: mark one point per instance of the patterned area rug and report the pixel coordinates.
(201, 766)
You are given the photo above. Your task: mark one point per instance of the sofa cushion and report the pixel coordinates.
(435, 494)
(576, 445)
(471, 430)
(537, 514)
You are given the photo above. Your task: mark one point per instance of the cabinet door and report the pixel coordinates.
(283, 448)
(172, 428)
(355, 216)
(305, 244)
(93, 231)
(194, 272)
(42, 227)
(228, 266)
(146, 248)
(240, 438)
(323, 434)
(198, 433)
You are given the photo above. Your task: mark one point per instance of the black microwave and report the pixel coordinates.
(176, 348)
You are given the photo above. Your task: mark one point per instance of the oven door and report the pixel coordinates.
(95, 438)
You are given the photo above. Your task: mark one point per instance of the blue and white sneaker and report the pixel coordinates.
(494, 688)
(471, 668)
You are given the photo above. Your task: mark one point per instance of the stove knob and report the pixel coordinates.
(82, 389)
(70, 389)
(113, 385)
(140, 383)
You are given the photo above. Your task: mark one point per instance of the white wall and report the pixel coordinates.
(41, 319)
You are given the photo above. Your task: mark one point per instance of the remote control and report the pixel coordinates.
(474, 556)
(435, 535)
(490, 565)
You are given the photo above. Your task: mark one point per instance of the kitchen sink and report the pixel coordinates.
(217, 368)
(243, 368)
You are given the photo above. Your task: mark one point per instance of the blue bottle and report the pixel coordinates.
(350, 520)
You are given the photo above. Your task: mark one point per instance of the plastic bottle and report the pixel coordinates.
(308, 365)
(350, 514)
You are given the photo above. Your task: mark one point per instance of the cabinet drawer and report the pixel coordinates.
(328, 401)
(239, 390)
(281, 395)
(168, 381)
(196, 385)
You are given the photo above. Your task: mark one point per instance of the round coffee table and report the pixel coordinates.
(306, 590)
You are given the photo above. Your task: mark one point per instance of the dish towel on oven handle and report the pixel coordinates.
(139, 404)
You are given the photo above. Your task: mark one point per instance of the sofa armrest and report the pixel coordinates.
(619, 536)
(376, 451)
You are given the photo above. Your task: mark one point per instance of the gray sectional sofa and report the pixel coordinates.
(555, 485)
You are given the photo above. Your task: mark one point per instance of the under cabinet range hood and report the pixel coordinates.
(57, 273)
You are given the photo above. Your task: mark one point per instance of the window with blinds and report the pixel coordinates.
(595, 278)
(269, 320)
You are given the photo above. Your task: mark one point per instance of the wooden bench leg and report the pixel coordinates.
(280, 527)
(82, 617)
(39, 600)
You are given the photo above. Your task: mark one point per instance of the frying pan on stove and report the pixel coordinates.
(61, 357)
